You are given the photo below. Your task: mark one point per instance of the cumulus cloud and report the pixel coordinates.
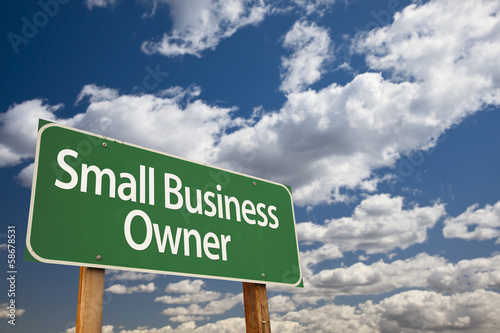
(379, 223)
(432, 70)
(105, 329)
(281, 303)
(18, 128)
(122, 289)
(466, 275)
(375, 278)
(99, 3)
(229, 325)
(195, 311)
(410, 311)
(5, 312)
(322, 319)
(311, 51)
(315, 6)
(25, 177)
(157, 122)
(200, 297)
(425, 310)
(185, 286)
(426, 43)
(130, 276)
(201, 26)
(427, 71)
(475, 223)
(423, 271)
(96, 94)
(324, 252)
(192, 293)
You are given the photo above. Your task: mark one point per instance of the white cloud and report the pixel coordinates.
(439, 41)
(281, 303)
(315, 6)
(201, 296)
(311, 51)
(18, 130)
(105, 329)
(422, 271)
(201, 25)
(99, 3)
(130, 276)
(341, 318)
(5, 312)
(155, 122)
(229, 325)
(410, 311)
(186, 318)
(379, 224)
(323, 143)
(96, 94)
(216, 307)
(377, 278)
(475, 223)
(194, 295)
(122, 289)
(466, 275)
(310, 258)
(25, 177)
(185, 287)
(476, 311)
(433, 70)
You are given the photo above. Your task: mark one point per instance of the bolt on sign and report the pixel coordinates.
(99, 202)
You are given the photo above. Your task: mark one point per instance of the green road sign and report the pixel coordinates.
(100, 202)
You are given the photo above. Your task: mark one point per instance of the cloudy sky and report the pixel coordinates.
(380, 114)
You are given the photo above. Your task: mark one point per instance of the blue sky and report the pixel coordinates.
(381, 115)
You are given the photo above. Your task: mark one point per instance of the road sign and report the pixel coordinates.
(99, 202)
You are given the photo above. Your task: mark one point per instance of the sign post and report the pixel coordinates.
(256, 308)
(90, 300)
(101, 203)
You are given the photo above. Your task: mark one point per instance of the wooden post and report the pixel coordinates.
(256, 309)
(90, 298)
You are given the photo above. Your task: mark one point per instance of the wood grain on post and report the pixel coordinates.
(256, 309)
(90, 299)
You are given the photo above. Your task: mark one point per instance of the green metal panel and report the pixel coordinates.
(145, 194)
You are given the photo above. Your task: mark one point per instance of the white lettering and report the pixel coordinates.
(142, 184)
(130, 185)
(219, 202)
(270, 211)
(224, 241)
(189, 207)
(98, 179)
(207, 245)
(187, 234)
(74, 176)
(167, 235)
(169, 190)
(209, 203)
(236, 208)
(245, 211)
(151, 186)
(149, 230)
(260, 207)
